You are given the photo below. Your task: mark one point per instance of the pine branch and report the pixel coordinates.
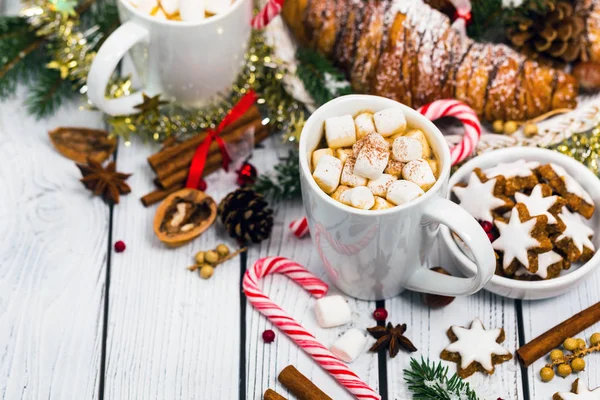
(47, 93)
(321, 79)
(285, 185)
(429, 381)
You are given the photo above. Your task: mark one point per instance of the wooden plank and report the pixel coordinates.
(427, 329)
(52, 262)
(265, 361)
(539, 316)
(170, 333)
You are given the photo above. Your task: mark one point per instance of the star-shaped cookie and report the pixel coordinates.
(519, 175)
(480, 196)
(575, 241)
(541, 202)
(578, 392)
(475, 348)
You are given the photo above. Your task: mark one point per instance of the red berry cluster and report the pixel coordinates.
(488, 227)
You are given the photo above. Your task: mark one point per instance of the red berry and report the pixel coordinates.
(268, 336)
(487, 226)
(380, 314)
(120, 246)
(491, 236)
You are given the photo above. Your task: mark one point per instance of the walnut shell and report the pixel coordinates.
(79, 144)
(183, 216)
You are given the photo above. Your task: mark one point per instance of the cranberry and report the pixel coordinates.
(487, 226)
(268, 336)
(120, 246)
(491, 237)
(380, 314)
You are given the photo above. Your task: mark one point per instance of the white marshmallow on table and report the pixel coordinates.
(390, 121)
(364, 125)
(217, 6)
(317, 154)
(348, 176)
(419, 172)
(358, 197)
(343, 154)
(380, 185)
(340, 131)
(381, 204)
(405, 149)
(394, 168)
(338, 192)
(332, 311)
(350, 345)
(372, 159)
(374, 139)
(192, 10)
(170, 7)
(327, 173)
(420, 136)
(401, 192)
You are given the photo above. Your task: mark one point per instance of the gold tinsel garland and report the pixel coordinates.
(583, 147)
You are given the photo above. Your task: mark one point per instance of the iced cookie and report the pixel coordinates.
(541, 202)
(578, 392)
(475, 348)
(575, 241)
(521, 240)
(578, 199)
(480, 197)
(549, 266)
(519, 175)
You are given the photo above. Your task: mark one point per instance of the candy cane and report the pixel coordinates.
(466, 115)
(268, 12)
(306, 341)
(299, 227)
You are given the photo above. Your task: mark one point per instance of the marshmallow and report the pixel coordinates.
(419, 172)
(401, 192)
(372, 158)
(349, 346)
(405, 149)
(338, 192)
(348, 177)
(192, 10)
(358, 197)
(170, 7)
(434, 166)
(390, 121)
(394, 168)
(317, 154)
(381, 204)
(145, 6)
(364, 125)
(374, 139)
(343, 154)
(327, 173)
(217, 6)
(332, 311)
(420, 136)
(340, 131)
(380, 185)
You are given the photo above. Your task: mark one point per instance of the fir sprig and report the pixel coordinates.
(321, 79)
(285, 184)
(428, 380)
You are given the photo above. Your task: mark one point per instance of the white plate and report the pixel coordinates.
(527, 290)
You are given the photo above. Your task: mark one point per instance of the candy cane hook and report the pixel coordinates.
(296, 332)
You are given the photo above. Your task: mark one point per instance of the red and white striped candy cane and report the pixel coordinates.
(466, 115)
(299, 227)
(268, 12)
(303, 338)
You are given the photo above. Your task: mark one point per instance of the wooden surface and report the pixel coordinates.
(78, 321)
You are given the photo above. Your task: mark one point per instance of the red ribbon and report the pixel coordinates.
(194, 179)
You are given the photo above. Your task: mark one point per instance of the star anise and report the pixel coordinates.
(391, 337)
(106, 182)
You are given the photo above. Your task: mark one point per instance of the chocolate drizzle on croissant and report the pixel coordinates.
(407, 51)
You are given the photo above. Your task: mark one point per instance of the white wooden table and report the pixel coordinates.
(78, 321)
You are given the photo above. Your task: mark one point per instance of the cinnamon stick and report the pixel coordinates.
(543, 344)
(159, 195)
(273, 395)
(300, 386)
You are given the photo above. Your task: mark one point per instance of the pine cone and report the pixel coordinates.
(551, 31)
(246, 216)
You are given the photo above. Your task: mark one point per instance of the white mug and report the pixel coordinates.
(374, 255)
(188, 62)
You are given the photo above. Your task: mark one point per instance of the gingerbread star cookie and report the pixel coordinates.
(575, 241)
(578, 199)
(541, 202)
(549, 266)
(480, 196)
(521, 240)
(578, 392)
(519, 175)
(475, 348)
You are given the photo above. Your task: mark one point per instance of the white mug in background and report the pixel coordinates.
(188, 62)
(374, 255)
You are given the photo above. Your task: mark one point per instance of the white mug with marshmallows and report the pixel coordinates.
(189, 62)
(376, 254)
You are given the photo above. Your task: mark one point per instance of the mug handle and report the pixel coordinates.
(468, 229)
(104, 64)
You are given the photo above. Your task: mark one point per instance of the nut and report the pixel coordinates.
(206, 271)
(222, 250)
(211, 257)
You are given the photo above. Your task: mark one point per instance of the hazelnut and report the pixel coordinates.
(564, 370)
(222, 250)
(211, 257)
(510, 127)
(530, 130)
(581, 344)
(547, 374)
(570, 344)
(556, 354)
(498, 126)
(578, 364)
(435, 300)
(199, 257)
(206, 271)
(595, 339)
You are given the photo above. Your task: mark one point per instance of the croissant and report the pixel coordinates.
(407, 51)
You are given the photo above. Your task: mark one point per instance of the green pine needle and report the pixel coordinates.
(321, 79)
(430, 381)
(47, 93)
(285, 185)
